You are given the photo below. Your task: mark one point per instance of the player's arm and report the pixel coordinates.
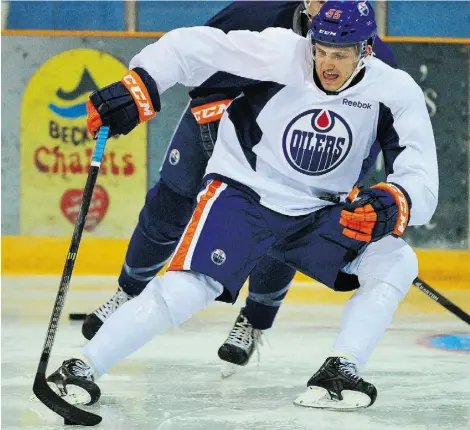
(409, 196)
(409, 150)
(189, 56)
(211, 98)
(207, 109)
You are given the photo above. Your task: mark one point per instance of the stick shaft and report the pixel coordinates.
(443, 301)
(73, 249)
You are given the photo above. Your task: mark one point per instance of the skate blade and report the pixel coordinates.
(228, 370)
(75, 395)
(318, 397)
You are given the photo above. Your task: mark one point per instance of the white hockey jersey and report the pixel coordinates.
(288, 140)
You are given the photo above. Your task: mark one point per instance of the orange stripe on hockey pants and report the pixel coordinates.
(177, 263)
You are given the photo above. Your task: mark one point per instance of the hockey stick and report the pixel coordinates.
(439, 298)
(70, 413)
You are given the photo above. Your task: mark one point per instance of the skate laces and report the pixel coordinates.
(348, 368)
(106, 310)
(244, 335)
(78, 368)
(259, 342)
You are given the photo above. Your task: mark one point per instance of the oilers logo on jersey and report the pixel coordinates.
(317, 141)
(218, 257)
(300, 145)
(174, 157)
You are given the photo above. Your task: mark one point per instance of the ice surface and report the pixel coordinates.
(174, 381)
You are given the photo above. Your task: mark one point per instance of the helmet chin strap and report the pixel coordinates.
(360, 65)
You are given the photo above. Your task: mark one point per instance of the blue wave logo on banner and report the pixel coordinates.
(71, 112)
(78, 110)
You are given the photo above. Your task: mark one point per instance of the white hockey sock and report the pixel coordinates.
(166, 302)
(365, 318)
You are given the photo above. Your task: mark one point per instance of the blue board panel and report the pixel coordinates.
(69, 15)
(31, 15)
(89, 15)
(429, 18)
(168, 15)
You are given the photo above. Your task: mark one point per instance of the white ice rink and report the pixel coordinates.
(174, 382)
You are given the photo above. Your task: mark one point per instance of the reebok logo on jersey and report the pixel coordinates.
(317, 141)
(359, 105)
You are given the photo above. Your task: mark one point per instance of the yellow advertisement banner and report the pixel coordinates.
(56, 151)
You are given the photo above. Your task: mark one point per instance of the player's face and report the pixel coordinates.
(334, 65)
(313, 7)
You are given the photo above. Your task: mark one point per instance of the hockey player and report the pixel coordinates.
(169, 204)
(279, 182)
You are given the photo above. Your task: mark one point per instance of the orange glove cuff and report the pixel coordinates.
(210, 111)
(402, 203)
(140, 94)
(93, 121)
(354, 192)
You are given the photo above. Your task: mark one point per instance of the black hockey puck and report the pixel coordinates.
(77, 317)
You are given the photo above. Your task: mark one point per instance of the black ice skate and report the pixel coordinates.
(94, 321)
(242, 341)
(337, 385)
(74, 382)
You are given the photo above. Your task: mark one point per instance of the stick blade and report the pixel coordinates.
(70, 413)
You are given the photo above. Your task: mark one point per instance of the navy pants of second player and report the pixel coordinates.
(168, 209)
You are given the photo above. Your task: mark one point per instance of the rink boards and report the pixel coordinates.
(22, 255)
